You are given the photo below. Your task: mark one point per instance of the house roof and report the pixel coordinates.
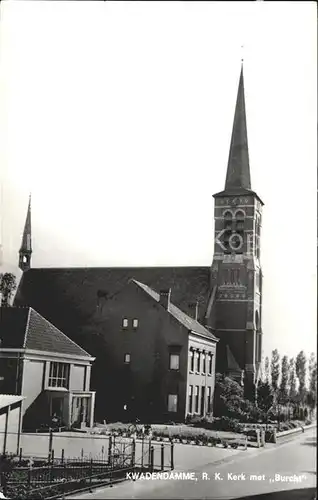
(189, 323)
(70, 297)
(25, 328)
(9, 399)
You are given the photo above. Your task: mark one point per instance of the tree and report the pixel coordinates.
(312, 392)
(292, 381)
(8, 284)
(267, 369)
(228, 397)
(265, 397)
(283, 388)
(275, 369)
(301, 375)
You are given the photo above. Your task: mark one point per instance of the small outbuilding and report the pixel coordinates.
(10, 423)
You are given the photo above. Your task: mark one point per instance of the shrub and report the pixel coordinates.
(227, 424)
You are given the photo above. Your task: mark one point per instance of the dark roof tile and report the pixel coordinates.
(26, 328)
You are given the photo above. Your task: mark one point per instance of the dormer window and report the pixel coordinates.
(127, 358)
(135, 323)
(125, 323)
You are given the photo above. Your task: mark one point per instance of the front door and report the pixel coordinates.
(57, 409)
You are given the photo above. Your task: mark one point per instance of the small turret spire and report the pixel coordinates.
(238, 169)
(26, 246)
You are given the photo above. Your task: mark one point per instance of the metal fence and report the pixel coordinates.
(57, 476)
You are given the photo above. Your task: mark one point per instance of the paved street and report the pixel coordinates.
(285, 471)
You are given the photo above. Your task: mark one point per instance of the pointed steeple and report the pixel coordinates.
(238, 168)
(238, 177)
(26, 247)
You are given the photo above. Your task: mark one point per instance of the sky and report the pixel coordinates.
(117, 116)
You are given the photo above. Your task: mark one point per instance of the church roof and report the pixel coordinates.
(24, 328)
(68, 296)
(189, 323)
(26, 238)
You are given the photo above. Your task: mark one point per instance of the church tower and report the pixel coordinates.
(235, 306)
(25, 251)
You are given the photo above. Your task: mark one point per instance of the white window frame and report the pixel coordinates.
(210, 364)
(59, 375)
(127, 358)
(191, 354)
(125, 323)
(135, 323)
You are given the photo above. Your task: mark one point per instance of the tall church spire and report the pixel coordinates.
(26, 248)
(238, 168)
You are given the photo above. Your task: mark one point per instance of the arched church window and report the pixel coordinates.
(228, 227)
(240, 218)
(239, 230)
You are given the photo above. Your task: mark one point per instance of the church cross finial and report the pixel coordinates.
(242, 54)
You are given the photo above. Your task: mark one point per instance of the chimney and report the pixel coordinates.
(194, 310)
(165, 298)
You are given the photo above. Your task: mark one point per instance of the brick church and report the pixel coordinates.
(224, 299)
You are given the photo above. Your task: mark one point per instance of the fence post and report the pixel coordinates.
(258, 441)
(133, 453)
(142, 451)
(162, 456)
(149, 452)
(91, 472)
(262, 437)
(172, 456)
(50, 444)
(29, 480)
(52, 467)
(151, 458)
(62, 456)
(109, 449)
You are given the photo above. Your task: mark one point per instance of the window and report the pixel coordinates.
(125, 323)
(173, 403)
(204, 363)
(190, 398)
(59, 374)
(228, 227)
(198, 361)
(196, 399)
(174, 362)
(191, 361)
(202, 400)
(209, 400)
(135, 323)
(210, 361)
(127, 358)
